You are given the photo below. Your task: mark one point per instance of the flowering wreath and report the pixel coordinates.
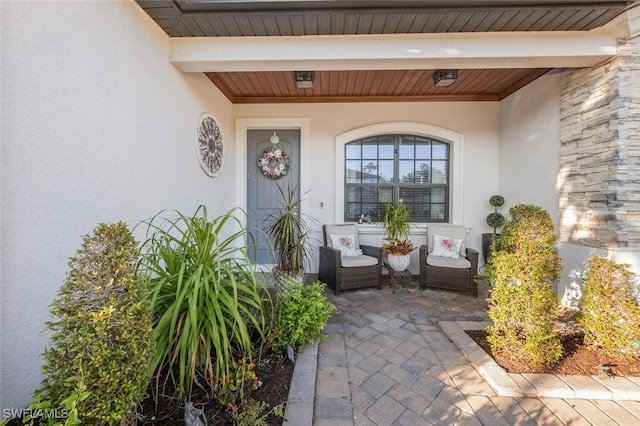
(274, 163)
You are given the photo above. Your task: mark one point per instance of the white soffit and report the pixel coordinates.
(393, 51)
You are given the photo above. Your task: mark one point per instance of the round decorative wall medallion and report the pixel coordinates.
(209, 147)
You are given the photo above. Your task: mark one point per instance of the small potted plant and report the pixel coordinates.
(495, 220)
(398, 252)
(397, 226)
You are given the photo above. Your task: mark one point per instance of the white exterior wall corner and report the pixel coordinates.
(97, 126)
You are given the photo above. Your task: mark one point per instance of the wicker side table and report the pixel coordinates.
(398, 277)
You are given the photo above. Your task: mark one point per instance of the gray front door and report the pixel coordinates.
(262, 192)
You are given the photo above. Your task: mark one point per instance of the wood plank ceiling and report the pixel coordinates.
(372, 86)
(233, 18)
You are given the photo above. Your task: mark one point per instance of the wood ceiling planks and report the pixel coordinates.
(371, 85)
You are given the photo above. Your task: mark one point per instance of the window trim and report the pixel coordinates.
(455, 159)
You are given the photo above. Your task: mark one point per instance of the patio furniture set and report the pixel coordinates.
(445, 261)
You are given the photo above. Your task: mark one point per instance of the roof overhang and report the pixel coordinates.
(387, 50)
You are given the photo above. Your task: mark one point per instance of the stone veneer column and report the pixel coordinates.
(599, 180)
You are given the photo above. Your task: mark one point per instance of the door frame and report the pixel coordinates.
(240, 170)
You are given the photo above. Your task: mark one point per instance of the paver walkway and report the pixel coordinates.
(386, 361)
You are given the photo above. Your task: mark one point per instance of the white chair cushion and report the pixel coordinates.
(356, 261)
(447, 262)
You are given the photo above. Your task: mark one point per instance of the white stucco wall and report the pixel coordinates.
(477, 122)
(530, 146)
(97, 126)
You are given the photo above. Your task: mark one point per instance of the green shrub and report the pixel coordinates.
(610, 315)
(301, 312)
(68, 410)
(98, 365)
(207, 304)
(522, 303)
(529, 235)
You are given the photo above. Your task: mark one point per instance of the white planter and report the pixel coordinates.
(398, 262)
(280, 278)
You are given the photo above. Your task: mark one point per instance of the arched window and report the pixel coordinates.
(411, 169)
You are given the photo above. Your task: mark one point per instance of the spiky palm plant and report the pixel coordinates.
(207, 303)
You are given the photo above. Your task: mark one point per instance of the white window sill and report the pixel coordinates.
(377, 229)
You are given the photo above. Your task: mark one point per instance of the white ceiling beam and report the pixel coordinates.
(393, 51)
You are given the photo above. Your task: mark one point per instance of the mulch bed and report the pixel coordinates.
(273, 371)
(577, 359)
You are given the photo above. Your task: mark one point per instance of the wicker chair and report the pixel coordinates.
(446, 271)
(348, 269)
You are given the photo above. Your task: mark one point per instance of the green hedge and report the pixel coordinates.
(522, 303)
(609, 313)
(101, 344)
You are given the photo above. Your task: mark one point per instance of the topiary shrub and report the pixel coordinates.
(495, 219)
(101, 347)
(301, 312)
(610, 315)
(522, 303)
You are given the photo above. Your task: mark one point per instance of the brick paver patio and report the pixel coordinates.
(386, 361)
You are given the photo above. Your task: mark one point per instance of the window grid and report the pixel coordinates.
(410, 169)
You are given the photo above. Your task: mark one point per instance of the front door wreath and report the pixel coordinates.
(274, 163)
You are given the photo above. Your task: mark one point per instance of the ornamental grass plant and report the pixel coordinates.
(522, 303)
(207, 304)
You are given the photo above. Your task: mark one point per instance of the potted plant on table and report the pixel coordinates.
(289, 234)
(398, 252)
(397, 226)
(494, 220)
